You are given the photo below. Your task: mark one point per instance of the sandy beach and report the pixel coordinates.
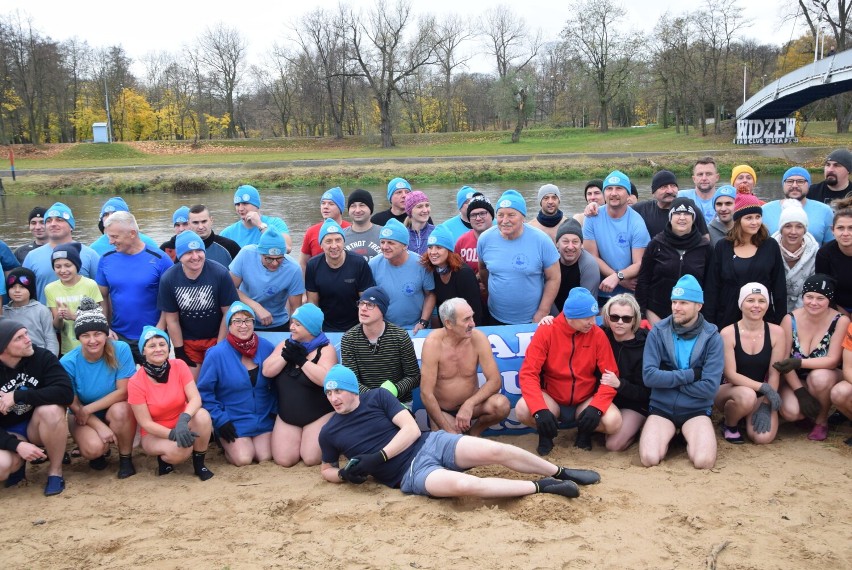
(785, 505)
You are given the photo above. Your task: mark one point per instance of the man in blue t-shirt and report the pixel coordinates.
(704, 176)
(398, 271)
(129, 279)
(102, 245)
(795, 184)
(336, 278)
(194, 295)
(381, 438)
(617, 238)
(518, 265)
(252, 223)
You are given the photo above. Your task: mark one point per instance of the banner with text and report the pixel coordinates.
(766, 131)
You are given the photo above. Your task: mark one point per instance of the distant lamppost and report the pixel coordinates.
(109, 117)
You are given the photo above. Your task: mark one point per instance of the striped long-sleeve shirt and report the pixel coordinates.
(391, 358)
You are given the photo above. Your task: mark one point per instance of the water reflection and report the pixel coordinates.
(298, 206)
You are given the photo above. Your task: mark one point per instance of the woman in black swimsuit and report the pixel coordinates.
(749, 387)
(298, 366)
(814, 335)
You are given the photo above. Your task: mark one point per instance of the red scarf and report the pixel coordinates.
(247, 348)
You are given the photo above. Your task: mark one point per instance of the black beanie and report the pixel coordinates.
(479, 201)
(37, 212)
(89, 318)
(662, 178)
(360, 195)
(8, 329)
(24, 277)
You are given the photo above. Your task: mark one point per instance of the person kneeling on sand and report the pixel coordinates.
(380, 437)
(449, 386)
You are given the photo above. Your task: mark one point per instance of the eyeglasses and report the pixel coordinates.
(795, 182)
(626, 319)
(477, 215)
(365, 304)
(242, 322)
(22, 279)
(270, 259)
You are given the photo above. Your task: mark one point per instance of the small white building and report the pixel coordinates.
(99, 133)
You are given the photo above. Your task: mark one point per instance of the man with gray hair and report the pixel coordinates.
(549, 216)
(449, 384)
(129, 278)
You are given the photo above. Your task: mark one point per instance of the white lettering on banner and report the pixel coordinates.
(766, 131)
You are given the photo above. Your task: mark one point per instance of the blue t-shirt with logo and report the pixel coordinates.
(406, 285)
(616, 238)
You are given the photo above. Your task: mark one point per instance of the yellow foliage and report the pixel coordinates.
(133, 117)
(798, 53)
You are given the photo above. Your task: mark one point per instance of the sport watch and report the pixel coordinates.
(620, 275)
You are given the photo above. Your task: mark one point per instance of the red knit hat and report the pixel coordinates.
(745, 204)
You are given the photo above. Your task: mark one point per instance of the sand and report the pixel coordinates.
(786, 505)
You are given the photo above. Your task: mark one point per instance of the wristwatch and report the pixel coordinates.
(620, 275)
(423, 323)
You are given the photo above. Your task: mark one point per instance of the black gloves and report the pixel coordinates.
(180, 353)
(367, 463)
(697, 371)
(771, 395)
(761, 420)
(228, 432)
(180, 434)
(294, 353)
(347, 475)
(589, 419)
(545, 423)
(788, 364)
(809, 405)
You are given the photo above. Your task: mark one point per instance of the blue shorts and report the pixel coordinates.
(438, 452)
(19, 428)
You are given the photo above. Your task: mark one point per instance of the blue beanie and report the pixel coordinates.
(188, 241)
(441, 236)
(271, 242)
(339, 377)
(116, 204)
(69, 251)
(394, 230)
(726, 190)
(580, 304)
(797, 171)
(396, 184)
(512, 199)
(238, 307)
(335, 195)
(617, 178)
(329, 226)
(60, 210)
(247, 194)
(377, 296)
(687, 288)
(463, 195)
(149, 332)
(181, 216)
(311, 318)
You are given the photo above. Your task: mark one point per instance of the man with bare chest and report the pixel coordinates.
(449, 384)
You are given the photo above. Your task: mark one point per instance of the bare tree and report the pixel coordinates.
(606, 52)
(385, 57)
(222, 50)
(452, 32)
(514, 47)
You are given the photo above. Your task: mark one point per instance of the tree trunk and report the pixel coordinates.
(843, 113)
(385, 126)
(603, 121)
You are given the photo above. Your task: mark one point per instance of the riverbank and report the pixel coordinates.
(461, 158)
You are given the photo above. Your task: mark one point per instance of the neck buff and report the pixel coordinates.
(689, 332)
(247, 348)
(319, 340)
(549, 221)
(160, 373)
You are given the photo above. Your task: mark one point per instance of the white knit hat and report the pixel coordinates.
(792, 211)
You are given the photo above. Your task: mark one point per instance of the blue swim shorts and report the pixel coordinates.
(438, 452)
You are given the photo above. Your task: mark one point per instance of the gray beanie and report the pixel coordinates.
(548, 189)
(570, 226)
(8, 328)
(841, 156)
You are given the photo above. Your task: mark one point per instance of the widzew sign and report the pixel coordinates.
(766, 131)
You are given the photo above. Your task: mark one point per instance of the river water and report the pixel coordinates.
(299, 207)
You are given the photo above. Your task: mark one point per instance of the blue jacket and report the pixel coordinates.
(678, 392)
(227, 393)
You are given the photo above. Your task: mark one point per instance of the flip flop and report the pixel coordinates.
(732, 435)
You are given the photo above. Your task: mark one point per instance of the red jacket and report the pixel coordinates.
(564, 363)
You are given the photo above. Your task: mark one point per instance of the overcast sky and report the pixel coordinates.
(159, 25)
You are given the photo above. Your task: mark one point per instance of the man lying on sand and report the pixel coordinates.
(381, 438)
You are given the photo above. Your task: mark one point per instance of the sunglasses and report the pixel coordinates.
(22, 279)
(626, 319)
